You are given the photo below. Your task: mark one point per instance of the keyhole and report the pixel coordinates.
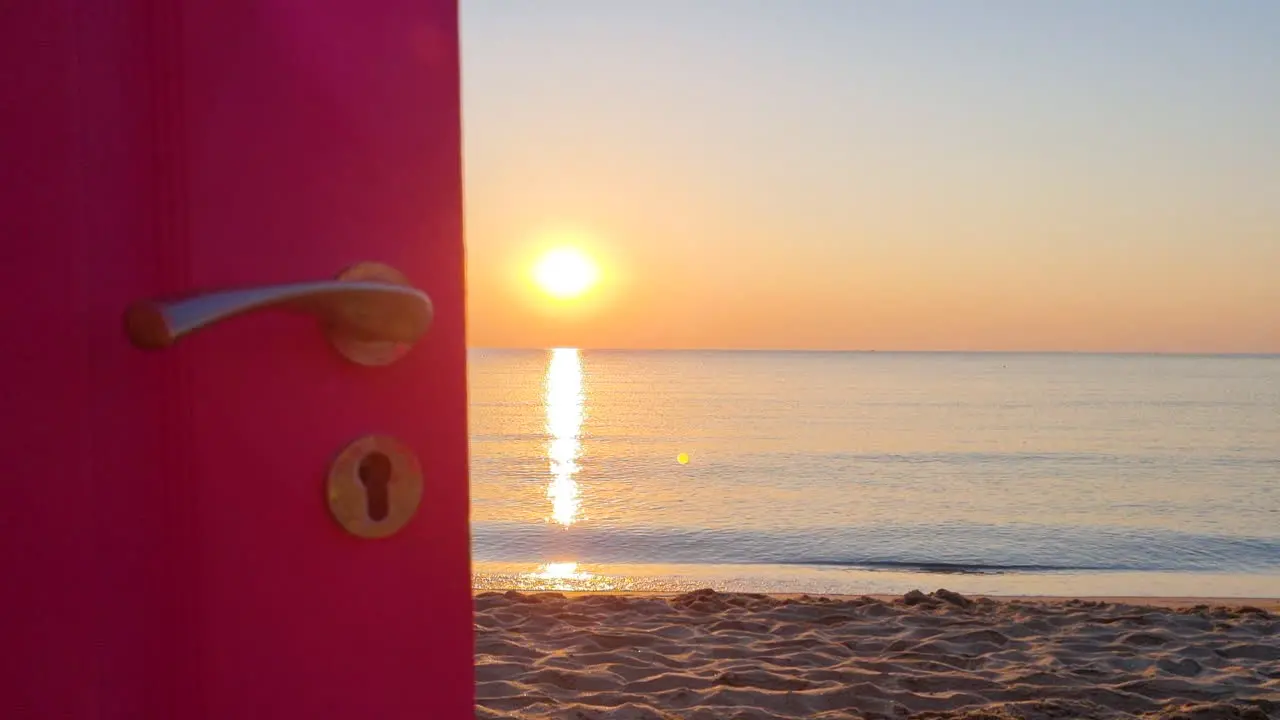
(375, 474)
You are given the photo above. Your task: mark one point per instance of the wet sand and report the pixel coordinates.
(707, 655)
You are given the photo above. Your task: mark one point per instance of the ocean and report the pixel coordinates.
(852, 473)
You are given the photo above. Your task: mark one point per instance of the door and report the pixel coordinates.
(172, 537)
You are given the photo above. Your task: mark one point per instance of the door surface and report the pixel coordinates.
(169, 549)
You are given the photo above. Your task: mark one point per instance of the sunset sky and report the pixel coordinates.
(850, 174)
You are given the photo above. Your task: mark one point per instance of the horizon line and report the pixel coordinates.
(530, 348)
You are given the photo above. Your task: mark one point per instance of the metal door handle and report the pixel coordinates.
(370, 312)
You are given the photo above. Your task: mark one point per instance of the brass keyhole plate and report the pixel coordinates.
(399, 487)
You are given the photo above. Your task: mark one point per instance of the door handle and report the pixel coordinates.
(370, 312)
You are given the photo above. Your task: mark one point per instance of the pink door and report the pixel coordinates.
(183, 535)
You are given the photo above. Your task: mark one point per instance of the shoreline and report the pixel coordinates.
(843, 582)
(1159, 601)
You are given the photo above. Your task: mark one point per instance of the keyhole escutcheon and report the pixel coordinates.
(374, 486)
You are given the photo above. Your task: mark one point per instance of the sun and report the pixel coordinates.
(565, 273)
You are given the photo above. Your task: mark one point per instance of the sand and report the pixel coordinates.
(707, 655)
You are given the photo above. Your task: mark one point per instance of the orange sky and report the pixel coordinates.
(754, 178)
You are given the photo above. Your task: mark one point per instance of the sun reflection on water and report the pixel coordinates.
(559, 577)
(564, 403)
(562, 571)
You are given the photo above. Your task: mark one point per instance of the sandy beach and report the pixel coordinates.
(707, 655)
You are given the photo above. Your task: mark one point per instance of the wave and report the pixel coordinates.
(947, 568)
(943, 549)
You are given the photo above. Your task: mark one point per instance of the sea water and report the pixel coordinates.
(826, 472)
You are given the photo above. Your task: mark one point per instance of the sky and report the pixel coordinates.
(1088, 175)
